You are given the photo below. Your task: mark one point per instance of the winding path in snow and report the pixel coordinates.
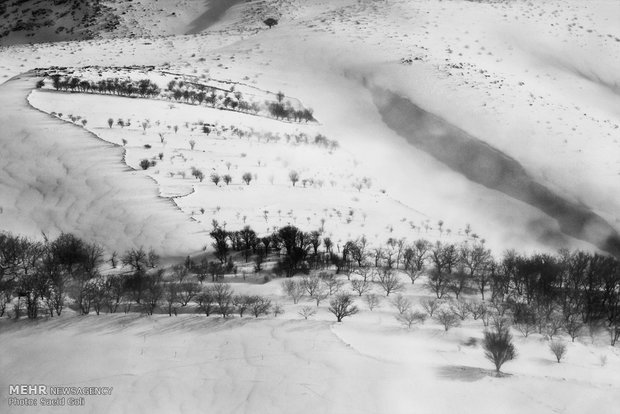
(56, 177)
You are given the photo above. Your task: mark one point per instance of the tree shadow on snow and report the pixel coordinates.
(466, 374)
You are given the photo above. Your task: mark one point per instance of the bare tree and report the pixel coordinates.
(307, 312)
(401, 303)
(447, 319)
(558, 349)
(293, 289)
(360, 286)
(311, 284)
(187, 291)
(573, 325)
(205, 300)
(260, 306)
(331, 282)
(242, 303)
(294, 177)
(430, 306)
(460, 308)
(372, 301)
(171, 296)
(438, 283)
(215, 178)
(498, 347)
(342, 306)
(223, 296)
(477, 309)
(247, 178)
(277, 309)
(525, 326)
(409, 318)
(389, 281)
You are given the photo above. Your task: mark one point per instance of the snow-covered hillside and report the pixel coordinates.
(490, 122)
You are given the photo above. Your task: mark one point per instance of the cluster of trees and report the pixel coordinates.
(567, 292)
(546, 293)
(45, 277)
(193, 93)
(144, 88)
(286, 111)
(196, 93)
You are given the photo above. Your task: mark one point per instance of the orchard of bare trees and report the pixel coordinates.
(568, 293)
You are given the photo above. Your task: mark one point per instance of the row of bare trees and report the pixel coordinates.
(144, 88)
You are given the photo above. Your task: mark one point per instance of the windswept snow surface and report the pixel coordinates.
(534, 80)
(59, 178)
(367, 364)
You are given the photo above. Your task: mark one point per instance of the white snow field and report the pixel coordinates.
(368, 364)
(534, 82)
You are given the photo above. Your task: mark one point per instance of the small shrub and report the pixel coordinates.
(247, 178)
(145, 164)
(558, 349)
(307, 312)
(498, 347)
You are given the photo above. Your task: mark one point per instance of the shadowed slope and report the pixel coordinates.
(216, 10)
(489, 167)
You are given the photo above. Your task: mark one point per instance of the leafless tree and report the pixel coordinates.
(247, 178)
(215, 178)
(331, 282)
(260, 306)
(342, 306)
(558, 349)
(372, 301)
(476, 309)
(205, 300)
(460, 308)
(171, 296)
(187, 291)
(293, 289)
(401, 303)
(409, 318)
(277, 309)
(498, 347)
(307, 312)
(438, 283)
(573, 325)
(389, 281)
(223, 296)
(447, 319)
(294, 177)
(310, 284)
(360, 286)
(430, 306)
